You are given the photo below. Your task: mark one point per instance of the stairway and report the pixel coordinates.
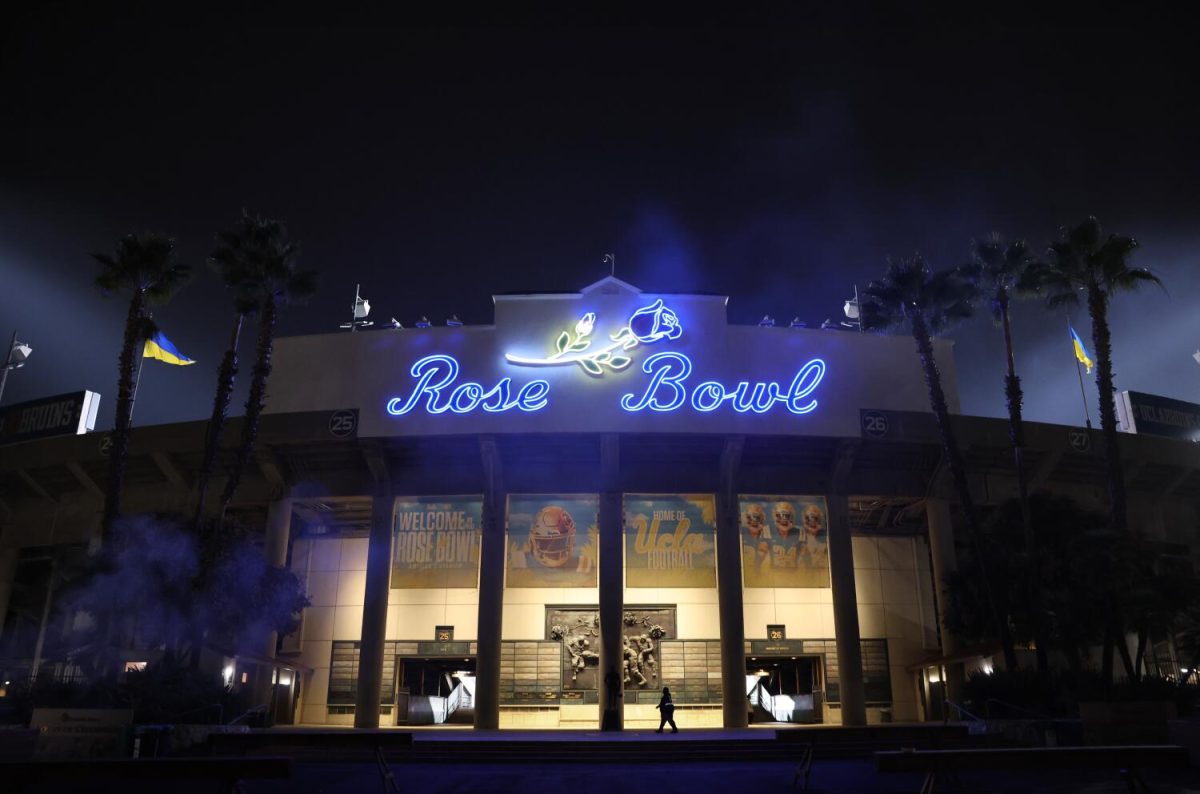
(461, 707)
(564, 747)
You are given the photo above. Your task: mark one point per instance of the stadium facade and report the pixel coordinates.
(538, 521)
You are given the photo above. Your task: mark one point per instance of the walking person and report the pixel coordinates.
(667, 709)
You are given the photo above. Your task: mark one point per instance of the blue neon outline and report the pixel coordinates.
(670, 369)
(657, 379)
(817, 365)
(709, 395)
(531, 397)
(707, 388)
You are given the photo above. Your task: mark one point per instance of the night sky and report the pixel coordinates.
(778, 160)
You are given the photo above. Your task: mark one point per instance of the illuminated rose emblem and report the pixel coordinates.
(654, 322)
(647, 324)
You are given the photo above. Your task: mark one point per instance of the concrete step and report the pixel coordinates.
(456, 747)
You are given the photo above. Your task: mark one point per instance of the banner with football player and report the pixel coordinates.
(785, 541)
(435, 541)
(670, 540)
(553, 541)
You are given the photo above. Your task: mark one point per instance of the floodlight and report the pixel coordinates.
(16, 357)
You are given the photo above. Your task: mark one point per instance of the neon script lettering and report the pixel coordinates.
(668, 390)
(435, 376)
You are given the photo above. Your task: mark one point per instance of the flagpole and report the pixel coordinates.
(1086, 416)
(137, 381)
(1082, 393)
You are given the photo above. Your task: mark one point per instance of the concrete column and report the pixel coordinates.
(375, 605)
(8, 575)
(491, 590)
(945, 563)
(275, 545)
(845, 612)
(612, 583)
(279, 530)
(729, 592)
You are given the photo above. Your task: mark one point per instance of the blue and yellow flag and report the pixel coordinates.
(1080, 351)
(158, 346)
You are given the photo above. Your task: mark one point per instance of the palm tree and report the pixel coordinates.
(273, 280)
(1084, 261)
(145, 265)
(1001, 270)
(238, 260)
(910, 296)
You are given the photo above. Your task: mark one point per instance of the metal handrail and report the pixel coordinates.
(987, 707)
(454, 700)
(758, 695)
(261, 708)
(961, 711)
(207, 706)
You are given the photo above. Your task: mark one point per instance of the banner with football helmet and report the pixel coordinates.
(785, 541)
(435, 541)
(670, 540)
(553, 541)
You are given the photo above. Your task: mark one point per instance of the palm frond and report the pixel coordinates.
(302, 286)
(910, 288)
(144, 262)
(166, 283)
(1060, 299)
(1135, 277)
(1086, 236)
(257, 262)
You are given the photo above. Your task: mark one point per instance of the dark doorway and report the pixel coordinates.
(432, 691)
(785, 689)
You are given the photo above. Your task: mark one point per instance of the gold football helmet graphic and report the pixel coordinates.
(785, 518)
(814, 520)
(552, 536)
(755, 519)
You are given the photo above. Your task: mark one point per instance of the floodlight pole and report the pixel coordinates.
(7, 364)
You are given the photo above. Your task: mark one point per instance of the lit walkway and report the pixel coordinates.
(856, 776)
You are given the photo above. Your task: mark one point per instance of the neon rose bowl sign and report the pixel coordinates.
(667, 388)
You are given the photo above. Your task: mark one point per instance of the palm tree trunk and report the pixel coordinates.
(1016, 436)
(226, 374)
(255, 402)
(937, 401)
(1118, 517)
(120, 439)
(1098, 308)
